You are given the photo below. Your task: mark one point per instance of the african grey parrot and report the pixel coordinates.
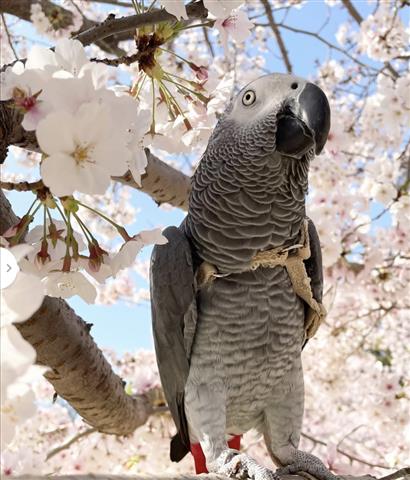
(229, 350)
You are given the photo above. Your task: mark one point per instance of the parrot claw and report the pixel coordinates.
(240, 466)
(306, 462)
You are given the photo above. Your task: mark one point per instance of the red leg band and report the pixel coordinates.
(235, 442)
(199, 457)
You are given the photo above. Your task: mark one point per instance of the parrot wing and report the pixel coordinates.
(314, 268)
(174, 314)
(313, 264)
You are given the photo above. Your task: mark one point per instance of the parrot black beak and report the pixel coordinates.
(304, 123)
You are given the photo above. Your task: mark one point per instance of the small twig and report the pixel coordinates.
(373, 219)
(114, 62)
(78, 9)
(346, 454)
(208, 41)
(22, 186)
(352, 11)
(9, 36)
(113, 2)
(277, 34)
(329, 44)
(68, 444)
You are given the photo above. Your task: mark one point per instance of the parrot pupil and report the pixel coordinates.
(294, 86)
(248, 98)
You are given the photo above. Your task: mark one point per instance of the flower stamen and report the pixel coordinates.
(82, 153)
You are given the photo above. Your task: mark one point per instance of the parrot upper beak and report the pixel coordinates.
(304, 123)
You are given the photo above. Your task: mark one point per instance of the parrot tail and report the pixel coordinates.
(199, 457)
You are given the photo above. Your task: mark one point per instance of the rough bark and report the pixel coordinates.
(11, 131)
(78, 370)
(162, 182)
(125, 26)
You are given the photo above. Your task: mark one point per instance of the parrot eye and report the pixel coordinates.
(248, 98)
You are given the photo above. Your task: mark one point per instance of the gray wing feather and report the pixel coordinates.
(313, 264)
(173, 304)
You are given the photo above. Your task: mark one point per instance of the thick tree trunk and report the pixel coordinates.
(78, 370)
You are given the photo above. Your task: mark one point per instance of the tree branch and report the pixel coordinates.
(78, 370)
(113, 26)
(70, 442)
(163, 183)
(22, 9)
(359, 19)
(326, 42)
(10, 40)
(352, 11)
(278, 36)
(403, 473)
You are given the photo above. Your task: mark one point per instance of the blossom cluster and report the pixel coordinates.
(53, 22)
(17, 356)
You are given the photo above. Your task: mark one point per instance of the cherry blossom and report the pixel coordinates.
(129, 250)
(55, 238)
(81, 147)
(24, 286)
(237, 25)
(25, 88)
(56, 26)
(67, 284)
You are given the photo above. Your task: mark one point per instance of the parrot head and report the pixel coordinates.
(279, 112)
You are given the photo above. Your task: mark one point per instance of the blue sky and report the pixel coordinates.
(128, 328)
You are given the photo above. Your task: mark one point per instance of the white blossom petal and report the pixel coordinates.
(138, 163)
(126, 256)
(152, 236)
(15, 306)
(41, 58)
(68, 284)
(16, 356)
(175, 7)
(51, 168)
(55, 133)
(222, 8)
(70, 55)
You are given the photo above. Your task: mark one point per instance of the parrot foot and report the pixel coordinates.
(238, 465)
(306, 462)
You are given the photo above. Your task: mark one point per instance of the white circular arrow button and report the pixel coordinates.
(8, 268)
